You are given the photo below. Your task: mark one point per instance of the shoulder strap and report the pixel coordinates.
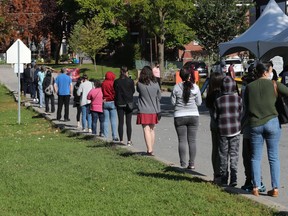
(275, 88)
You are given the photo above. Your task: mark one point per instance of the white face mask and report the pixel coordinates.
(271, 75)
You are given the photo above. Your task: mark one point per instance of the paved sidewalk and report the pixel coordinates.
(166, 144)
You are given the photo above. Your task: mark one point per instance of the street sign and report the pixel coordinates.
(18, 47)
(16, 68)
(18, 54)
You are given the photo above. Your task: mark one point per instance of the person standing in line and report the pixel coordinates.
(110, 112)
(213, 92)
(27, 81)
(148, 106)
(83, 91)
(264, 124)
(186, 97)
(41, 75)
(157, 73)
(246, 143)
(35, 84)
(228, 109)
(124, 90)
(76, 101)
(63, 88)
(231, 71)
(95, 95)
(46, 82)
(33, 88)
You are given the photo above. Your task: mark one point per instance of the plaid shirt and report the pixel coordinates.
(228, 108)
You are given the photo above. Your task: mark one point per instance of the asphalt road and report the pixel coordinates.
(166, 144)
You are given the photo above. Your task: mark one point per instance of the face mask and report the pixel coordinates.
(271, 76)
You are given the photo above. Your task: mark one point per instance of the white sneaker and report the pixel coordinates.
(90, 130)
(78, 124)
(84, 130)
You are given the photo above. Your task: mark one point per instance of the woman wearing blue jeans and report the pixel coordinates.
(186, 98)
(262, 117)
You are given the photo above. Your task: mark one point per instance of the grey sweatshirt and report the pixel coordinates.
(149, 98)
(189, 109)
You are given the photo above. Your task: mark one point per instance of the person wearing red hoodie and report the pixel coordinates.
(109, 108)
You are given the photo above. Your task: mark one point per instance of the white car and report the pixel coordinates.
(238, 66)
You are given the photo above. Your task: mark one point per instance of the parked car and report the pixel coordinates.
(238, 66)
(200, 66)
(216, 67)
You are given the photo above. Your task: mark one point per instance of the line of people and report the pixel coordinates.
(255, 116)
(112, 99)
(252, 115)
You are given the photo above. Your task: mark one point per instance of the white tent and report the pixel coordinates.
(276, 46)
(271, 22)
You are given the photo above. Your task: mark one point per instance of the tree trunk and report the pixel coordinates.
(161, 55)
(95, 65)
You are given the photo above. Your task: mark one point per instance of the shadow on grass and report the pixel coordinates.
(171, 177)
(181, 170)
(281, 213)
(130, 154)
(40, 115)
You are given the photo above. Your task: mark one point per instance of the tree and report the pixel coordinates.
(89, 39)
(218, 21)
(112, 14)
(164, 19)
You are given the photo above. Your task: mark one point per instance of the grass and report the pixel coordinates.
(45, 171)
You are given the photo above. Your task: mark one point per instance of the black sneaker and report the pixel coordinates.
(115, 140)
(247, 187)
(233, 184)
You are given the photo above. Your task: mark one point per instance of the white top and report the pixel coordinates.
(189, 109)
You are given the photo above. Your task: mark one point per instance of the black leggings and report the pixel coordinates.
(121, 111)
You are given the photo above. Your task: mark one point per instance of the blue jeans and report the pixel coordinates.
(86, 115)
(95, 116)
(41, 95)
(270, 132)
(110, 114)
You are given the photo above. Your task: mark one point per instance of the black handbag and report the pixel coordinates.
(281, 106)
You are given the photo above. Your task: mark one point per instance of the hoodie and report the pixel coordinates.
(228, 108)
(107, 86)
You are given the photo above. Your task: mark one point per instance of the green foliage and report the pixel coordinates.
(111, 13)
(218, 21)
(89, 38)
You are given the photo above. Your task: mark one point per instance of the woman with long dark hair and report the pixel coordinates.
(186, 98)
(148, 105)
(124, 90)
(263, 122)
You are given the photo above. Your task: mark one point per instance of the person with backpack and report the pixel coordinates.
(49, 81)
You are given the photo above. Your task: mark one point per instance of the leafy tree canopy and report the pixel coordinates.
(218, 21)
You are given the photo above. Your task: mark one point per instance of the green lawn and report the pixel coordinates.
(48, 172)
(91, 72)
